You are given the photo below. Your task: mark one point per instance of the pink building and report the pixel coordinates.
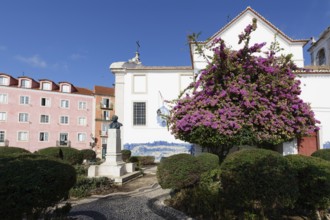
(39, 114)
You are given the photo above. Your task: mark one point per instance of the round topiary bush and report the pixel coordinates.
(257, 179)
(208, 161)
(322, 153)
(30, 183)
(125, 155)
(178, 171)
(12, 150)
(313, 176)
(88, 154)
(70, 155)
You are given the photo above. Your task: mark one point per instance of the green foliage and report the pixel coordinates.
(313, 175)
(12, 150)
(88, 154)
(87, 186)
(126, 154)
(257, 179)
(208, 161)
(322, 153)
(71, 155)
(30, 183)
(142, 160)
(178, 171)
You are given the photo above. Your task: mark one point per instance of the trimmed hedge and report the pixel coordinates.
(88, 154)
(322, 153)
(313, 176)
(12, 150)
(142, 160)
(30, 183)
(208, 161)
(86, 186)
(258, 180)
(125, 155)
(178, 171)
(70, 155)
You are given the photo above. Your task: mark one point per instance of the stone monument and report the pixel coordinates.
(114, 167)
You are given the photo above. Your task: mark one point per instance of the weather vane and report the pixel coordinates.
(137, 46)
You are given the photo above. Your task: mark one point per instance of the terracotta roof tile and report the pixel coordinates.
(101, 90)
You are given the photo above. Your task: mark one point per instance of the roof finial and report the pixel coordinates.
(136, 59)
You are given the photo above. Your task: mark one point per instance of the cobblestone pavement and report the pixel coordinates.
(141, 204)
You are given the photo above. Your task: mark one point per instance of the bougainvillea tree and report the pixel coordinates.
(242, 97)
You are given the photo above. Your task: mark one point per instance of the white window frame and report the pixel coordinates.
(4, 81)
(81, 137)
(44, 119)
(47, 102)
(24, 100)
(3, 98)
(139, 120)
(63, 121)
(25, 83)
(82, 121)
(46, 86)
(65, 88)
(3, 116)
(23, 136)
(64, 103)
(43, 136)
(23, 117)
(82, 105)
(106, 115)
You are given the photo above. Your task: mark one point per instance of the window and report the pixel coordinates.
(82, 121)
(64, 103)
(3, 116)
(106, 103)
(23, 117)
(82, 105)
(139, 113)
(3, 98)
(65, 88)
(45, 102)
(23, 136)
(106, 115)
(43, 136)
(81, 137)
(25, 83)
(2, 136)
(64, 139)
(321, 57)
(3, 80)
(44, 118)
(64, 120)
(46, 86)
(24, 100)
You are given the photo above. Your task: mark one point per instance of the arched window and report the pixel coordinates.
(321, 57)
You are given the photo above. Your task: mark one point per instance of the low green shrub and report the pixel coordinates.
(178, 171)
(31, 183)
(322, 153)
(88, 154)
(125, 155)
(87, 186)
(257, 180)
(71, 155)
(12, 150)
(208, 161)
(313, 176)
(142, 160)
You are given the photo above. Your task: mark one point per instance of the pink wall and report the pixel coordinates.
(34, 109)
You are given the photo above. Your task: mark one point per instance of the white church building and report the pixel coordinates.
(141, 90)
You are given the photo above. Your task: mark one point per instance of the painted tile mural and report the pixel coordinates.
(159, 149)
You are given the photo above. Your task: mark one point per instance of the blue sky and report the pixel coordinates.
(77, 40)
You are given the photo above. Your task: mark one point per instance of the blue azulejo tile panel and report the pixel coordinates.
(159, 149)
(326, 145)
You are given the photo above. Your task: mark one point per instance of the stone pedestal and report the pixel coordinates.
(113, 167)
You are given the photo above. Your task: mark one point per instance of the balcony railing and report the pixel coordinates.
(63, 143)
(106, 106)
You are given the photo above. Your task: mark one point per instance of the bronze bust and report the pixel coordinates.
(115, 124)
